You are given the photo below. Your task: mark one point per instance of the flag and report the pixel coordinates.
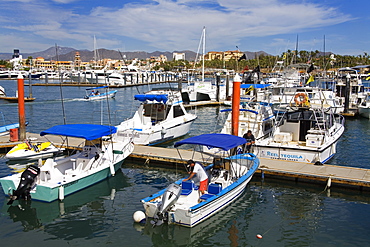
(311, 79)
(256, 69)
(244, 57)
(310, 69)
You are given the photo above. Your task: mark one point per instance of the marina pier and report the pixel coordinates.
(326, 175)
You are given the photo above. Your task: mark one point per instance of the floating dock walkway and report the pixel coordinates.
(329, 175)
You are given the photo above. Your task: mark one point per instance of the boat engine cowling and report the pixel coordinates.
(169, 198)
(28, 178)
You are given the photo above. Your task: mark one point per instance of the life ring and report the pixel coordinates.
(301, 99)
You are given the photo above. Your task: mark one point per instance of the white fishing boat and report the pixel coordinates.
(364, 107)
(182, 204)
(305, 133)
(58, 178)
(32, 151)
(160, 117)
(255, 116)
(95, 94)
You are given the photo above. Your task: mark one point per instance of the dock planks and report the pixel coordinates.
(341, 176)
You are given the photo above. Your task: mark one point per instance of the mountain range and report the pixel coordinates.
(68, 54)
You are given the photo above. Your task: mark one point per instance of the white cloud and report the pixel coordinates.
(171, 25)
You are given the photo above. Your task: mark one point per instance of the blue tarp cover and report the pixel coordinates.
(223, 141)
(254, 85)
(151, 97)
(86, 131)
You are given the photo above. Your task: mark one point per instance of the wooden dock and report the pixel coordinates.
(339, 176)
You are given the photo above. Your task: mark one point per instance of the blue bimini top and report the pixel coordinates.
(86, 131)
(216, 140)
(152, 97)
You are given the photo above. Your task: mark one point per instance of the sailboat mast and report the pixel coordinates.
(204, 50)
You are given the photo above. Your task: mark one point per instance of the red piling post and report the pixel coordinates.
(21, 111)
(235, 105)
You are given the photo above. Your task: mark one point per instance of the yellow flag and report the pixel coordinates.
(311, 79)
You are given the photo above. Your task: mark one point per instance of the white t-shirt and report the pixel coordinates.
(201, 174)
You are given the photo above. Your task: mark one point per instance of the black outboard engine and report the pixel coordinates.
(28, 178)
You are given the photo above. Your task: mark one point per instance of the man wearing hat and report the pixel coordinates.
(197, 169)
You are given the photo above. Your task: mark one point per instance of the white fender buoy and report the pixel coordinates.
(139, 217)
(329, 182)
(61, 193)
(112, 171)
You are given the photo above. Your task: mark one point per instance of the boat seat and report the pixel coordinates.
(213, 189)
(187, 187)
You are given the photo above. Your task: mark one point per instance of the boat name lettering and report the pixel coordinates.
(293, 157)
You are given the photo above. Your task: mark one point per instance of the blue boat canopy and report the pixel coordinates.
(216, 140)
(151, 97)
(254, 85)
(86, 131)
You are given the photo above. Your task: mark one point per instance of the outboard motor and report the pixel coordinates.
(169, 198)
(28, 178)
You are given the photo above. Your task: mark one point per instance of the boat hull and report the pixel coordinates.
(364, 112)
(158, 135)
(191, 215)
(300, 153)
(51, 193)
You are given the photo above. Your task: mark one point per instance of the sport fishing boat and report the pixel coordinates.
(364, 107)
(255, 116)
(160, 117)
(30, 151)
(182, 204)
(304, 133)
(58, 178)
(94, 94)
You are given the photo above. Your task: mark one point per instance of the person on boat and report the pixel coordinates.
(249, 137)
(97, 92)
(197, 169)
(92, 93)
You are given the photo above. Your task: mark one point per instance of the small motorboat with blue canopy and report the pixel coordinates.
(95, 94)
(160, 117)
(229, 173)
(57, 178)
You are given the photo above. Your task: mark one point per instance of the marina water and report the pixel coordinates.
(285, 213)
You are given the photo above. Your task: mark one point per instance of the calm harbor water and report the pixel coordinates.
(284, 213)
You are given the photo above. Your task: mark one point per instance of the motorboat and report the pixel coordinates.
(255, 116)
(304, 133)
(160, 117)
(57, 178)
(31, 151)
(182, 204)
(95, 94)
(364, 107)
(4, 129)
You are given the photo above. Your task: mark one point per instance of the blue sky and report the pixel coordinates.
(169, 25)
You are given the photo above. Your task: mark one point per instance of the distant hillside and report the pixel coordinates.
(112, 54)
(68, 54)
